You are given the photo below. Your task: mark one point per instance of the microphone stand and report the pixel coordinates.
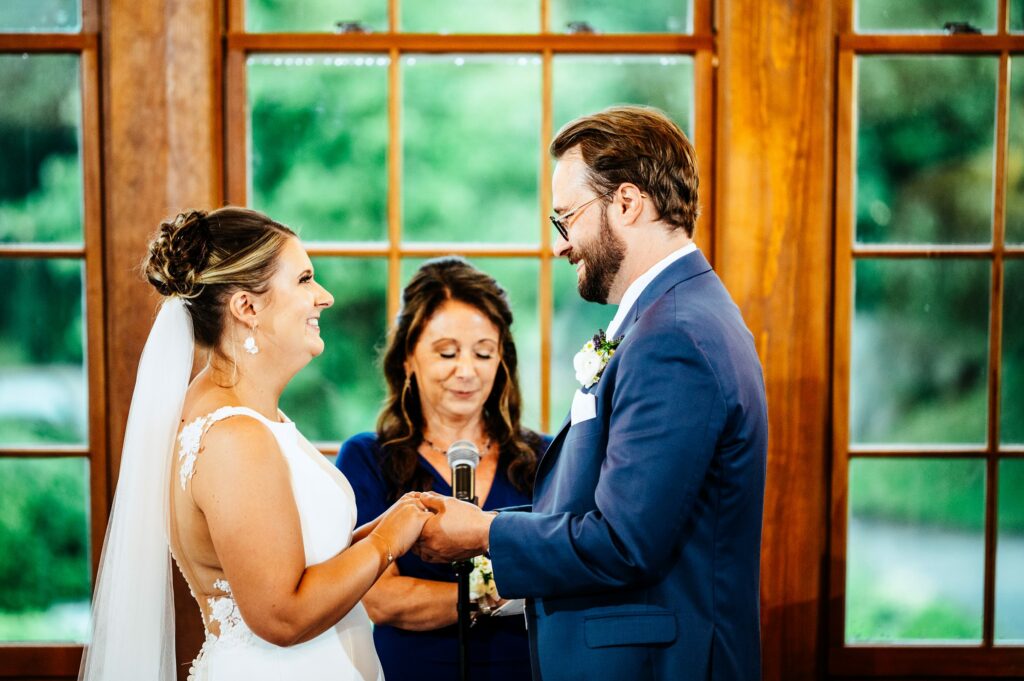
(463, 568)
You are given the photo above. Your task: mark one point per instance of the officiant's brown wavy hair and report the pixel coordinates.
(400, 425)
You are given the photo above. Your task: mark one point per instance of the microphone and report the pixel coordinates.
(463, 456)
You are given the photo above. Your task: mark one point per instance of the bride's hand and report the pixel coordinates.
(401, 524)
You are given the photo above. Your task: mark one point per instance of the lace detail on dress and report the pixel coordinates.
(190, 440)
(233, 629)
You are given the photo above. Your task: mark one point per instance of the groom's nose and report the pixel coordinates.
(560, 247)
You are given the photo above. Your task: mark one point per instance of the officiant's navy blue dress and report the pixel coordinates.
(498, 648)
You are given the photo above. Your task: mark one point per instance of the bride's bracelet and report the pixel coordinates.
(388, 556)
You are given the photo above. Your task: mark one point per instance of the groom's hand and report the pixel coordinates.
(457, 531)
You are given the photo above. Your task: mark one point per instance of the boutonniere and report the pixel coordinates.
(591, 360)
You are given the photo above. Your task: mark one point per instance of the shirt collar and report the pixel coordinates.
(640, 283)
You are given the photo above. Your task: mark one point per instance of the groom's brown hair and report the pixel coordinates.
(642, 146)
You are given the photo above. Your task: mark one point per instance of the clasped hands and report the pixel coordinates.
(457, 530)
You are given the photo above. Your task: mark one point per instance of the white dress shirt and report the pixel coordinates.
(641, 282)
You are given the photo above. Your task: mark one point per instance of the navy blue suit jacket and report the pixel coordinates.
(640, 556)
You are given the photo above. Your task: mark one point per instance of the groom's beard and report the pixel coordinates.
(602, 258)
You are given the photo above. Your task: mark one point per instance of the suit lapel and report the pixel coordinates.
(687, 267)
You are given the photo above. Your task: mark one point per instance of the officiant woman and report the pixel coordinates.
(450, 369)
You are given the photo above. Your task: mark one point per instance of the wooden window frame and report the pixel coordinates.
(700, 44)
(986, 659)
(31, 659)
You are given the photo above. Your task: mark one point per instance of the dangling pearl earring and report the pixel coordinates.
(250, 342)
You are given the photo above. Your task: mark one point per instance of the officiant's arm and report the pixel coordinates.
(257, 537)
(658, 452)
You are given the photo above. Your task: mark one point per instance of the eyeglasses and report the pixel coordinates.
(561, 222)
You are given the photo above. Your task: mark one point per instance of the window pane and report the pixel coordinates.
(614, 16)
(918, 366)
(915, 552)
(1010, 554)
(519, 278)
(925, 158)
(1017, 15)
(1015, 157)
(585, 84)
(320, 16)
(42, 373)
(470, 16)
(40, 167)
(923, 16)
(1012, 386)
(575, 322)
(40, 16)
(471, 139)
(44, 550)
(318, 155)
(339, 393)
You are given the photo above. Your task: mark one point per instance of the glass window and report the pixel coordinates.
(470, 16)
(1012, 387)
(40, 16)
(923, 16)
(919, 350)
(320, 16)
(1017, 15)
(339, 393)
(40, 167)
(1015, 155)
(519, 277)
(583, 84)
(44, 550)
(1010, 554)
(915, 550)
(614, 16)
(466, 178)
(925, 158)
(42, 372)
(319, 136)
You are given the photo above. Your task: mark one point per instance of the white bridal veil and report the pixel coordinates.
(133, 608)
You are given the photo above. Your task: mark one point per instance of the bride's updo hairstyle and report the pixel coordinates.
(204, 258)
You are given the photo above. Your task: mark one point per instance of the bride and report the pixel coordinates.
(260, 525)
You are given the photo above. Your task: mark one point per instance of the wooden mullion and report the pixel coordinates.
(842, 331)
(1003, 17)
(917, 451)
(48, 42)
(52, 452)
(394, 198)
(704, 98)
(95, 300)
(703, 16)
(995, 346)
(654, 43)
(41, 250)
(931, 44)
(394, 15)
(545, 297)
(923, 251)
(236, 134)
(235, 16)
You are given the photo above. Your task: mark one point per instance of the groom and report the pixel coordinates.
(639, 558)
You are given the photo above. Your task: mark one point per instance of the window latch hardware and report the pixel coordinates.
(580, 28)
(350, 27)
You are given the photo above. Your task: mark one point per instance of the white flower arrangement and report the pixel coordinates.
(590, 361)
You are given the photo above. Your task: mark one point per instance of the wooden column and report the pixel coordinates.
(162, 153)
(773, 250)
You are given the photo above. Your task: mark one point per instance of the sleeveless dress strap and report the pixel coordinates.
(190, 438)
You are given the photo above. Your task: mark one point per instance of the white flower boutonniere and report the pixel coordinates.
(591, 360)
(481, 580)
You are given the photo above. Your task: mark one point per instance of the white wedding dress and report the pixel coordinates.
(327, 513)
